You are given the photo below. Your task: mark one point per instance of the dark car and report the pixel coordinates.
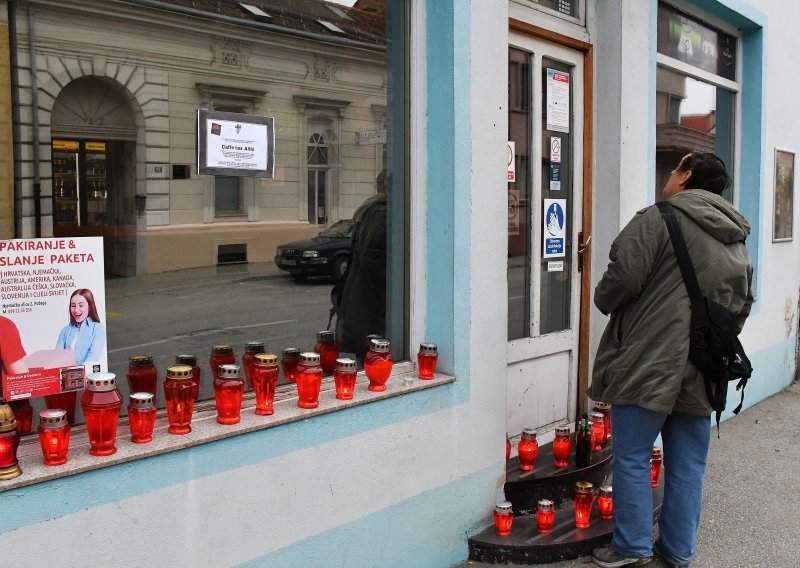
(327, 254)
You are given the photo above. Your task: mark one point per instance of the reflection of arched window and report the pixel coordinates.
(317, 160)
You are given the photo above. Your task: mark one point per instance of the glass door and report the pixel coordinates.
(96, 184)
(66, 184)
(545, 189)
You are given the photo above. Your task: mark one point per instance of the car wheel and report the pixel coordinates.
(339, 267)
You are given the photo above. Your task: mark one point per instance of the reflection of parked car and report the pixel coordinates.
(327, 254)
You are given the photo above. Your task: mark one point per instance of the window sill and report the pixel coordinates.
(205, 428)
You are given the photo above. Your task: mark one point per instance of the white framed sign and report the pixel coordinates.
(234, 144)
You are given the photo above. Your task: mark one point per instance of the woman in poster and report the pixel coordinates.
(84, 334)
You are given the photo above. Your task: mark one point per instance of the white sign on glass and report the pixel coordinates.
(557, 100)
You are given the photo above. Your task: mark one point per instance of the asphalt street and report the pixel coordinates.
(752, 491)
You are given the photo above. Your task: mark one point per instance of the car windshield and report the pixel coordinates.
(338, 229)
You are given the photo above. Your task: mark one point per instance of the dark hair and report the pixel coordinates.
(708, 172)
(86, 293)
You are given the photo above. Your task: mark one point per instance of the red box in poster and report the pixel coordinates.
(36, 382)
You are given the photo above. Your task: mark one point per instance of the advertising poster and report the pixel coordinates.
(554, 228)
(235, 144)
(52, 314)
(557, 100)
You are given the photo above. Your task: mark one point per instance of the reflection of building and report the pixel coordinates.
(118, 116)
(6, 146)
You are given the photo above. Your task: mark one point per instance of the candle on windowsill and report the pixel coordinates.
(426, 360)
(290, 359)
(265, 381)
(328, 351)
(53, 433)
(251, 349)
(101, 403)
(141, 417)
(344, 378)
(378, 364)
(309, 380)
(9, 442)
(179, 396)
(228, 391)
(191, 361)
(142, 374)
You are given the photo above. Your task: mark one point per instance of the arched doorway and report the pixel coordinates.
(94, 126)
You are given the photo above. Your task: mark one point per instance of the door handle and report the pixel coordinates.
(583, 246)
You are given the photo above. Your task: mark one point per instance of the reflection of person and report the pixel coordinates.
(642, 366)
(359, 298)
(12, 354)
(84, 333)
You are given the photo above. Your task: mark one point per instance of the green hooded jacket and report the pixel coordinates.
(643, 356)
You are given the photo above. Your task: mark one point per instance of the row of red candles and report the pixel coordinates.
(582, 498)
(142, 375)
(101, 402)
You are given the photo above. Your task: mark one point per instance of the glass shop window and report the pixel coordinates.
(311, 248)
(696, 93)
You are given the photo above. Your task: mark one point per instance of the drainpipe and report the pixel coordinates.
(37, 180)
(15, 128)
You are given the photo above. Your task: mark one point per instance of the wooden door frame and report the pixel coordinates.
(584, 259)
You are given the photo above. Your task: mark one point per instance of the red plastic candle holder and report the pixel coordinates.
(503, 518)
(528, 449)
(328, 351)
(309, 380)
(378, 364)
(65, 401)
(265, 381)
(179, 396)
(290, 359)
(426, 360)
(54, 435)
(23, 413)
(583, 498)
(221, 354)
(191, 361)
(605, 502)
(228, 391)
(562, 446)
(251, 349)
(605, 409)
(598, 431)
(142, 374)
(9, 442)
(101, 403)
(141, 417)
(344, 378)
(545, 515)
(655, 466)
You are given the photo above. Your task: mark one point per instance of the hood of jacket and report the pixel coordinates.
(714, 214)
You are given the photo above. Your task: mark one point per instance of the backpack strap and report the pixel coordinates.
(681, 254)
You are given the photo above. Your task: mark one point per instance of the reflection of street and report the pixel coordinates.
(189, 310)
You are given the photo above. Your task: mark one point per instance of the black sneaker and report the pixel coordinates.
(667, 562)
(607, 557)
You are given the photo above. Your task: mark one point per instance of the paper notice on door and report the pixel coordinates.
(555, 266)
(557, 100)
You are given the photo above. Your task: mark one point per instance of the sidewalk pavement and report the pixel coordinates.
(752, 491)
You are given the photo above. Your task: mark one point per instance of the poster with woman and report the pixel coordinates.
(52, 310)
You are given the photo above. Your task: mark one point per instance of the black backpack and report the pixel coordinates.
(714, 347)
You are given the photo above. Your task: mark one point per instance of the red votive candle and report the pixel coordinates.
(142, 374)
(583, 498)
(265, 380)
(545, 515)
(221, 354)
(426, 360)
(328, 351)
(23, 413)
(605, 409)
(344, 377)
(378, 364)
(655, 466)
(528, 449)
(309, 380)
(605, 502)
(65, 401)
(290, 359)
(101, 403)
(54, 435)
(503, 518)
(562, 446)
(251, 349)
(9, 442)
(141, 417)
(191, 361)
(598, 431)
(228, 391)
(179, 396)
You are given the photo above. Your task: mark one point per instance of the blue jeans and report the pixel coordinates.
(685, 438)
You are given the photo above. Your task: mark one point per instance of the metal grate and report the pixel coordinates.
(232, 254)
